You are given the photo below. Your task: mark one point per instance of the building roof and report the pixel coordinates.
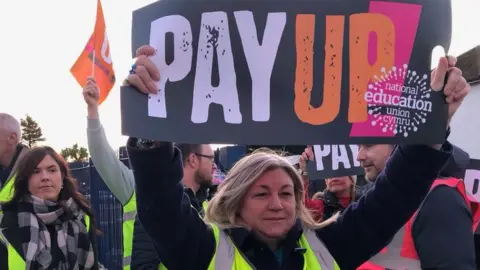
(469, 63)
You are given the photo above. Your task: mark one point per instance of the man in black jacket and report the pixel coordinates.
(442, 230)
(198, 165)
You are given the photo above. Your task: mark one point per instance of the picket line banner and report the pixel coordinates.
(290, 72)
(334, 160)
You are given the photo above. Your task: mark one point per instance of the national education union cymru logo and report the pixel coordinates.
(399, 100)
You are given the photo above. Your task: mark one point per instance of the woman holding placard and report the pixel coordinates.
(257, 220)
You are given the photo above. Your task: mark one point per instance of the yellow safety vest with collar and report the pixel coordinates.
(15, 261)
(228, 257)
(129, 214)
(6, 192)
(204, 206)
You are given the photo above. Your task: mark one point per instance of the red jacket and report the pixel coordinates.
(316, 205)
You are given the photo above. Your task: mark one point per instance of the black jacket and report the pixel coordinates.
(331, 204)
(197, 199)
(442, 231)
(144, 254)
(446, 213)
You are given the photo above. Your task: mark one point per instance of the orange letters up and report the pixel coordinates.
(360, 70)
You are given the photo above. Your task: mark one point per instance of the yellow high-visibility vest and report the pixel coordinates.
(129, 214)
(316, 256)
(6, 192)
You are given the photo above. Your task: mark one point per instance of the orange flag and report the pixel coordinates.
(97, 48)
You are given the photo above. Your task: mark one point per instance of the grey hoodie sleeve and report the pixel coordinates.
(118, 177)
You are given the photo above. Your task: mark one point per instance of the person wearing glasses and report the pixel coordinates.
(198, 170)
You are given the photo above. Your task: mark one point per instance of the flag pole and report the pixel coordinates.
(94, 41)
(93, 61)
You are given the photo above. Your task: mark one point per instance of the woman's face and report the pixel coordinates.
(46, 181)
(339, 184)
(269, 205)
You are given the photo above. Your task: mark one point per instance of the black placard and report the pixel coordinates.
(334, 160)
(290, 72)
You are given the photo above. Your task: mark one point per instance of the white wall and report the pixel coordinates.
(465, 126)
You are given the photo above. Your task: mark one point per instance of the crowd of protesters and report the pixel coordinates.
(413, 214)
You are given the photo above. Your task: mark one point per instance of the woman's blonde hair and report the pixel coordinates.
(224, 209)
(319, 195)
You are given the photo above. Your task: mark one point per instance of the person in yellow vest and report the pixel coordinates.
(47, 224)
(11, 151)
(138, 250)
(257, 219)
(198, 167)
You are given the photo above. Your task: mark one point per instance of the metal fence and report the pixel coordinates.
(108, 214)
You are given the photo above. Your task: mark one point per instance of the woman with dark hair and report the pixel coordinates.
(47, 224)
